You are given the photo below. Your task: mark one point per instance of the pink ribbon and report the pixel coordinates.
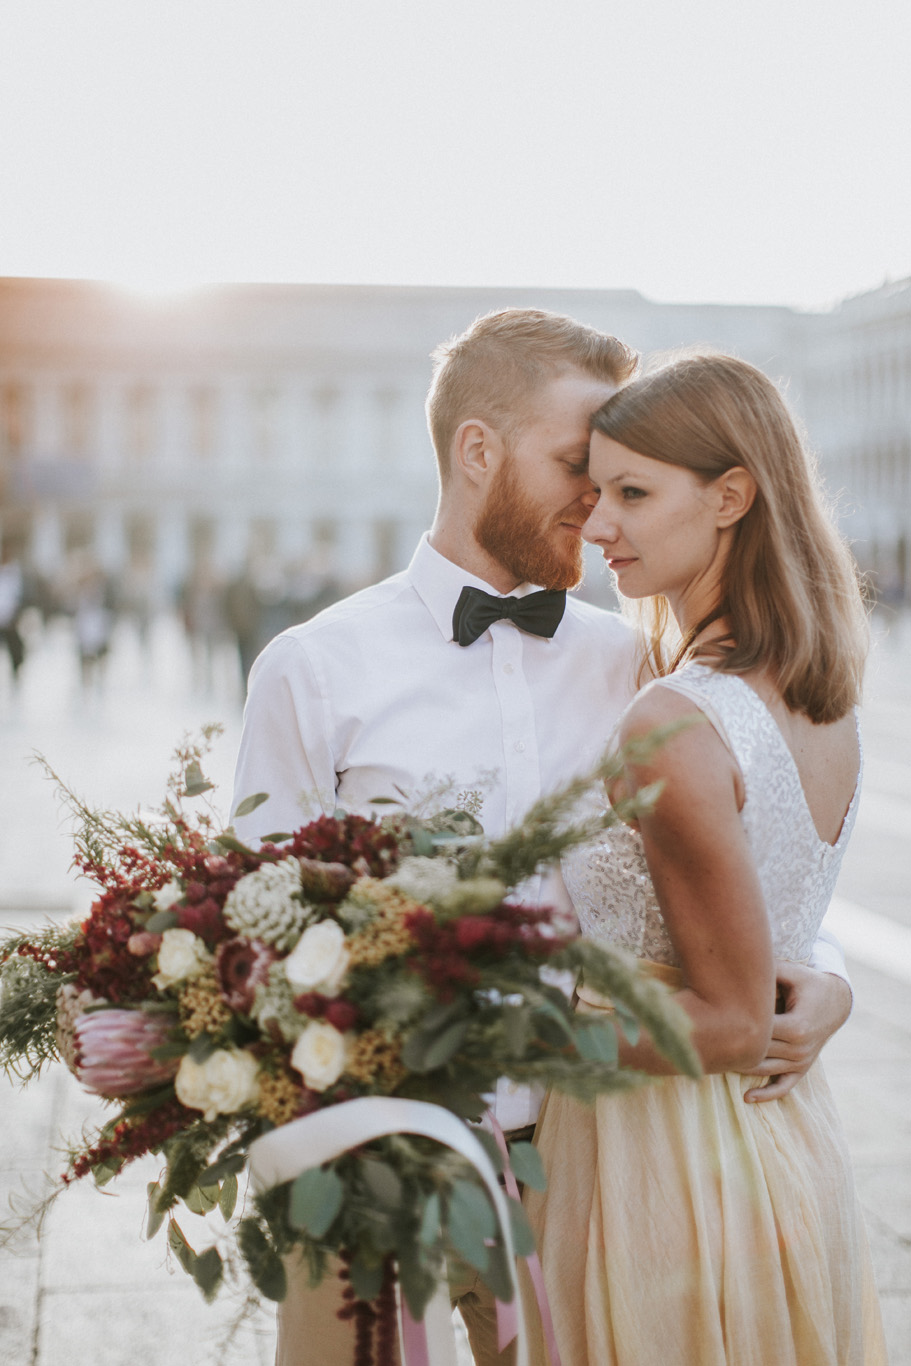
(414, 1339)
(507, 1316)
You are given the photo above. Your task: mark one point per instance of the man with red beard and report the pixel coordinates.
(472, 668)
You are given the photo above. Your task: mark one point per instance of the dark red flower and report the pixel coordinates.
(342, 1015)
(243, 965)
(311, 1003)
(473, 930)
(205, 919)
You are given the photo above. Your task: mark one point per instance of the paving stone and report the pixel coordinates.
(107, 1327)
(18, 1309)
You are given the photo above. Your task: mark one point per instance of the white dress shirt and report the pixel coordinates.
(374, 698)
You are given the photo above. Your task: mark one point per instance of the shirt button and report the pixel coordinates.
(509, 668)
(519, 746)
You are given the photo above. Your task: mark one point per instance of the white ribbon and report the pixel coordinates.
(285, 1152)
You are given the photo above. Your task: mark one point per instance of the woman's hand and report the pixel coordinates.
(816, 1005)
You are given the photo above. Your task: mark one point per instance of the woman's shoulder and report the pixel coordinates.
(667, 699)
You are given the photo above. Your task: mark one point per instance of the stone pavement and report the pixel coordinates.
(90, 1291)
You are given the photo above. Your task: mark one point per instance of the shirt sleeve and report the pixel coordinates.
(285, 748)
(828, 956)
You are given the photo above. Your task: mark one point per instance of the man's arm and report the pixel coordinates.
(284, 748)
(816, 1001)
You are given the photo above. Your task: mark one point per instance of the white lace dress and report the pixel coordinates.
(681, 1226)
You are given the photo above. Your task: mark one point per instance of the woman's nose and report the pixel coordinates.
(600, 526)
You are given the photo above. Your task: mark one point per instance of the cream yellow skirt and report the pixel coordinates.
(683, 1227)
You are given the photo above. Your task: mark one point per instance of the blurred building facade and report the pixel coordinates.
(243, 425)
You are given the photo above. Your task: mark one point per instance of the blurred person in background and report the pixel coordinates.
(12, 604)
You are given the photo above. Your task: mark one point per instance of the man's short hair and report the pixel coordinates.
(493, 368)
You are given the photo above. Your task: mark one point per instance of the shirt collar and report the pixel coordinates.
(438, 583)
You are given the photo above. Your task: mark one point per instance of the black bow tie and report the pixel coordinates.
(538, 613)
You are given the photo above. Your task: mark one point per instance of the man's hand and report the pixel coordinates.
(815, 1005)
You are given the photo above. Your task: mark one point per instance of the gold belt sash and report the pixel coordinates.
(589, 1002)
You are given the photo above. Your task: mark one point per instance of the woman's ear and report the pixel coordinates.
(736, 489)
(476, 449)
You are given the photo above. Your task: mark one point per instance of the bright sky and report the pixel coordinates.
(700, 150)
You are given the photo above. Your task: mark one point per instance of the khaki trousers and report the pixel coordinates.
(311, 1334)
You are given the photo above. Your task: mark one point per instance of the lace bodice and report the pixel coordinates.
(609, 881)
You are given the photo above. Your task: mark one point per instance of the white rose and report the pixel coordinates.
(225, 1082)
(182, 955)
(320, 1055)
(168, 895)
(319, 959)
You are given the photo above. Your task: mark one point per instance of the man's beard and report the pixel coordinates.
(513, 529)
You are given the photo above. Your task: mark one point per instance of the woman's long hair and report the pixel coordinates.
(789, 590)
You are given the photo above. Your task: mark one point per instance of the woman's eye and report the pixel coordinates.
(630, 494)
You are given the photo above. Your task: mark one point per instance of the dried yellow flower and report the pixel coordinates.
(386, 935)
(376, 1058)
(279, 1096)
(202, 1010)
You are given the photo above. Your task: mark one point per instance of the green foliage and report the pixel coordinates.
(28, 1008)
(471, 1223)
(614, 974)
(266, 1268)
(316, 1198)
(525, 1162)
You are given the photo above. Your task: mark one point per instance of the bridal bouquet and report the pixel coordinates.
(215, 992)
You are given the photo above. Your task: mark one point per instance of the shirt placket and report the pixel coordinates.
(517, 719)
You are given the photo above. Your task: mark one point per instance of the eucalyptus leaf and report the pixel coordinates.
(628, 1023)
(195, 781)
(517, 1029)
(445, 1045)
(208, 1273)
(367, 1278)
(277, 837)
(430, 1221)
(422, 841)
(161, 921)
(316, 1198)
(156, 1211)
(202, 1047)
(267, 1270)
(597, 1041)
(491, 1148)
(496, 1276)
(384, 1182)
(523, 1240)
(200, 1200)
(439, 1014)
(105, 1172)
(249, 804)
(227, 1197)
(180, 1247)
(526, 1163)
(232, 844)
(471, 1222)
(417, 1283)
(227, 1164)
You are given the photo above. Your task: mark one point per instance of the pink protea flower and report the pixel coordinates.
(113, 1051)
(143, 943)
(243, 965)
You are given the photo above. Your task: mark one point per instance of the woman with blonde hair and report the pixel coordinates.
(684, 1225)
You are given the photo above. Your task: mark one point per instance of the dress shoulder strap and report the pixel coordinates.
(727, 703)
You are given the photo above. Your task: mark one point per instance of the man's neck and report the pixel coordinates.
(459, 545)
